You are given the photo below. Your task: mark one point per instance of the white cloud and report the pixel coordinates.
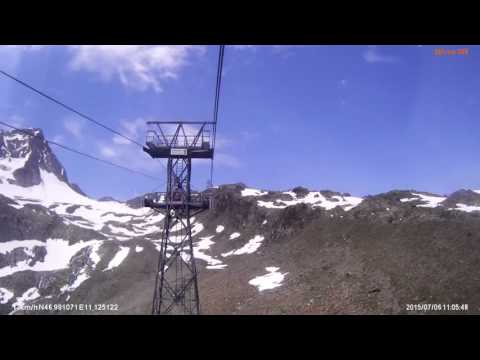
(372, 55)
(11, 55)
(126, 152)
(130, 155)
(136, 66)
(58, 139)
(74, 127)
(137, 130)
(120, 140)
(107, 151)
(134, 129)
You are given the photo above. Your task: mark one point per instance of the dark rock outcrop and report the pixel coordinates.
(467, 197)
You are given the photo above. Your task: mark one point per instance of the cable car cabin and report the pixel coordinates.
(180, 139)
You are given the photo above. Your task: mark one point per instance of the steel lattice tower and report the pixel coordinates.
(176, 287)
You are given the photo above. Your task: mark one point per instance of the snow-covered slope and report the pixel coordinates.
(108, 217)
(51, 189)
(34, 185)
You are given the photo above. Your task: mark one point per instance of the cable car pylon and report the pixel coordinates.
(176, 284)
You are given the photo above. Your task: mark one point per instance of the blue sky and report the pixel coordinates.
(358, 119)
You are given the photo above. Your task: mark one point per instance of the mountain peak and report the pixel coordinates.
(23, 156)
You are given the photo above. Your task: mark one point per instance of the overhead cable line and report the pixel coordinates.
(221, 52)
(219, 82)
(69, 108)
(82, 153)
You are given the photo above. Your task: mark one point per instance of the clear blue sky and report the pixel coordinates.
(358, 119)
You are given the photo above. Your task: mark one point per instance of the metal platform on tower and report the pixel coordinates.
(180, 139)
(162, 200)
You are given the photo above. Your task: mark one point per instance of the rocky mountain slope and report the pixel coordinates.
(258, 252)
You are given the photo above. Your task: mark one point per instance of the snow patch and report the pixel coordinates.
(14, 244)
(123, 231)
(81, 277)
(314, 198)
(196, 229)
(430, 201)
(5, 295)
(29, 295)
(219, 229)
(158, 245)
(253, 192)
(269, 281)
(234, 235)
(59, 253)
(249, 248)
(58, 196)
(204, 244)
(119, 257)
(113, 217)
(94, 253)
(138, 249)
(217, 267)
(466, 208)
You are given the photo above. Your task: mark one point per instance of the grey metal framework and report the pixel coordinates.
(176, 287)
